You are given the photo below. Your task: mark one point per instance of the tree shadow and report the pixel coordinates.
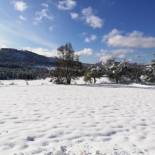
(114, 85)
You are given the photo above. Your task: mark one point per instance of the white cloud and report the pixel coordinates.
(74, 15)
(43, 14)
(90, 38)
(134, 39)
(87, 15)
(91, 19)
(22, 18)
(20, 5)
(66, 4)
(85, 52)
(43, 51)
(106, 55)
(3, 45)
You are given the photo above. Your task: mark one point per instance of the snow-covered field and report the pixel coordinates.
(38, 117)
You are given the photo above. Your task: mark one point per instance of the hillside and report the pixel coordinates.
(10, 57)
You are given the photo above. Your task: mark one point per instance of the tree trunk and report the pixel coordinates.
(68, 80)
(94, 80)
(116, 80)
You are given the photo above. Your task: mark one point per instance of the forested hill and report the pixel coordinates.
(13, 57)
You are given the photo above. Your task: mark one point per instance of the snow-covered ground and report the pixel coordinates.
(38, 117)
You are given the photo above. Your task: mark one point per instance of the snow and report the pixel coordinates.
(38, 117)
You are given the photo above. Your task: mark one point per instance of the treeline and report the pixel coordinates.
(122, 72)
(23, 73)
(70, 68)
(22, 64)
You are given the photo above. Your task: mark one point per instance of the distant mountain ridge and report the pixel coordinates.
(9, 56)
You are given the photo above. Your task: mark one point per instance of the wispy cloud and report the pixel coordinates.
(45, 5)
(20, 5)
(21, 17)
(42, 14)
(17, 32)
(134, 39)
(51, 28)
(85, 52)
(66, 4)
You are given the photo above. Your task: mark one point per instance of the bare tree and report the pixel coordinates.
(68, 66)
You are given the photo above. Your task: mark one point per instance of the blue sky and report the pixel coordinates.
(98, 29)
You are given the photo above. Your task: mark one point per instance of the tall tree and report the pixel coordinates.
(68, 66)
